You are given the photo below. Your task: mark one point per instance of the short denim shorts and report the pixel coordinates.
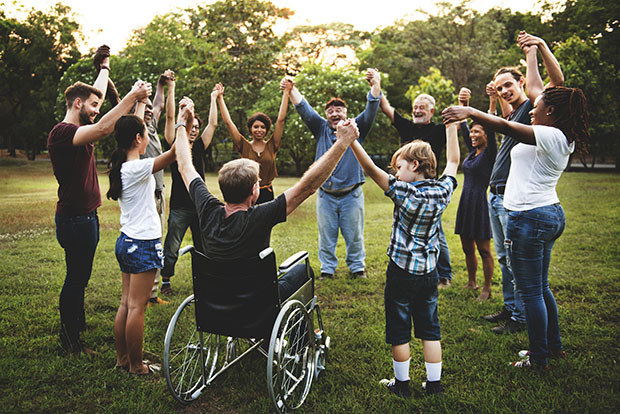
(409, 297)
(137, 256)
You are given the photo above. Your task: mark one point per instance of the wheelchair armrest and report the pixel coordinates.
(185, 250)
(266, 252)
(292, 261)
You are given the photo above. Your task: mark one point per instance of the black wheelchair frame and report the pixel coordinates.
(234, 310)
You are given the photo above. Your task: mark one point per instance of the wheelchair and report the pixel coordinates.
(236, 309)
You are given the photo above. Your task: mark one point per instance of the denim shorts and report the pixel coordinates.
(137, 256)
(409, 297)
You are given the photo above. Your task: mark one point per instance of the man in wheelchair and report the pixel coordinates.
(238, 229)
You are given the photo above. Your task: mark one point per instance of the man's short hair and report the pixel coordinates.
(335, 102)
(512, 70)
(420, 151)
(426, 97)
(82, 91)
(236, 179)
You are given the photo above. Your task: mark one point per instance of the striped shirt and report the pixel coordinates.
(414, 243)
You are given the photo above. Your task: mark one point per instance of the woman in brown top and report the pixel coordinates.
(260, 148)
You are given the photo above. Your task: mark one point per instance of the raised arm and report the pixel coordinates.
(183, 151)
(230, 125)
(520, 132)
(279, 127)
(164, 160)
(170, 110)
(452, 151)
(158, 100)
(386, 108)
(101, 60)
(294, 94)
(374, 79)
(377, 174)
(322, 168)
(530, 45)
(207, 134)
(91, 133)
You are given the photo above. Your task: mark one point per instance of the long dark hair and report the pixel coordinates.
(125, 131)
(571, 113)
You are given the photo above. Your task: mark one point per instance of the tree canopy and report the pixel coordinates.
(234, 42)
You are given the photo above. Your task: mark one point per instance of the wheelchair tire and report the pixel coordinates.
(291, 357)
(182, 354)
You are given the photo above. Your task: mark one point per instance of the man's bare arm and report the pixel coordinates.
(92, 133)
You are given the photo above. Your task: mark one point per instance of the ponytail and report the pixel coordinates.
(125, 131)
(571, 114)
(119, 156)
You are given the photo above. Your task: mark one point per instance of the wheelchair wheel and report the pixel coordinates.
(290, 364)
(182, 354)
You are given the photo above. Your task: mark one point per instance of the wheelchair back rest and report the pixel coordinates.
(235, 298)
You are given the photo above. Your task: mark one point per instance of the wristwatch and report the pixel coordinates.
(179, 124)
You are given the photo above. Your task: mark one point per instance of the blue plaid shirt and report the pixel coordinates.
(414, 243)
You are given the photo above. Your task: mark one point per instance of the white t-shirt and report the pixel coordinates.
(139, 218)
(536, 169)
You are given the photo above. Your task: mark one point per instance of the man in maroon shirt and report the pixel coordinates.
(70, 145)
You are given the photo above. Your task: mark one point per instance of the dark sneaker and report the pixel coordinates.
(560, 354)
(166, 290)
(500, 316)
(400, 388)
(326, 276)
(432, 387)
(526, 363)
(360, 275)
(510, 326)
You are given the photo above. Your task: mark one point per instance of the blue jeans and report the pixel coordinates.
(499, 219)
(347, 214)
(530, 236)
(292, 280)
(78, 236)
(443, 261)
(179, 220)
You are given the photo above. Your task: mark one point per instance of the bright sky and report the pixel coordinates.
(112, 21)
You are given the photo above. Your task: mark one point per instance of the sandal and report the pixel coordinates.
(151, 369)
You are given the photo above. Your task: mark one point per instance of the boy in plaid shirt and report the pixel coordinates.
(411, 285)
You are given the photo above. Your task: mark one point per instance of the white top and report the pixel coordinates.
(139, 218)
(536, 169)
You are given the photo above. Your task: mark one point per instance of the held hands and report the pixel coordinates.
(491, 91)
(347, 131)
(464, 95)
(167, 78)
(455, 114)
(102, 57)
(286, 84)
(373, 76)
(529, 43)
(141, 90)
(218, 90)
(186, 111)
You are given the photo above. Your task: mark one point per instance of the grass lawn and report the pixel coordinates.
(584, 276)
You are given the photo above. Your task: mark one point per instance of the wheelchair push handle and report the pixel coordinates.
(186, 249)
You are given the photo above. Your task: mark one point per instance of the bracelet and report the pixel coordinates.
(105, 67)
(179, 124)
(492, 112)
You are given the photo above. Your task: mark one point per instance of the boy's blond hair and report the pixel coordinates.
(419, 151)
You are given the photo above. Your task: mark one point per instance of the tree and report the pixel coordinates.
(35, 52)
(331, 44)
(584, 68)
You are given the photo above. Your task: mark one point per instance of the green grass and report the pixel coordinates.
(584, 275)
